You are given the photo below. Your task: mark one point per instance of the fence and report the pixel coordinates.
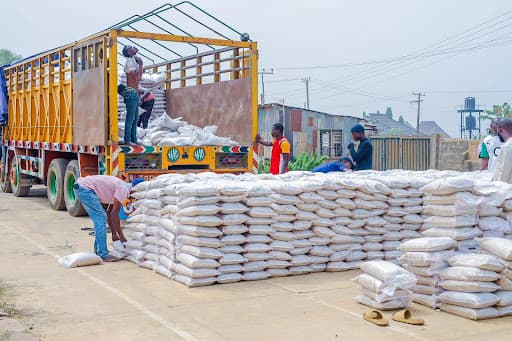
(412, 153)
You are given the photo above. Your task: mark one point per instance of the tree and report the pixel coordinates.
(364, 114)
(7, 56)
(498, 111)
(389, 112)
(401, 119)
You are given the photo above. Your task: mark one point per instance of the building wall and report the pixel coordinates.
(302, 126)
(458, 155)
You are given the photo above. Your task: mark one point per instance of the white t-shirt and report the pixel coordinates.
(493, 145)
(503, 169)
(131, 65)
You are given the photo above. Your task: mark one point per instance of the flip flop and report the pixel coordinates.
(405, 316)
(375, 316)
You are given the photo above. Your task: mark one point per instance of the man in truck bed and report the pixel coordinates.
(133, 70)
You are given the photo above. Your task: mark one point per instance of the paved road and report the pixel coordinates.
(120, 301)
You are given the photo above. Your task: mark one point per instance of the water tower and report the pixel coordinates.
(470, 119)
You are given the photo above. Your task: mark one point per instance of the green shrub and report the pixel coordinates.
(306, 162)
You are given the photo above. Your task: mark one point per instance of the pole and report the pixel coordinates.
(306, 80)
(264, 72)
(284, 116)
(418, 101)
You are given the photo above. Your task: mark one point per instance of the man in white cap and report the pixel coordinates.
(95, 190)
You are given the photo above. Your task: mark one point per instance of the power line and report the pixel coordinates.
(411, 70)
(431, 49)
(360, 76)
(411, 55)
(283, 80)
(466, 91)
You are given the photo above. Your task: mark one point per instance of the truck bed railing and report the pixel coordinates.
(165, 19)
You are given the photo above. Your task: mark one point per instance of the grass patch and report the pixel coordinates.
(6, 304)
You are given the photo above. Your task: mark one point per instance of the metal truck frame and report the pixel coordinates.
(63, 111)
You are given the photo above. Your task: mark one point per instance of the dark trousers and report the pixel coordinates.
(144, 117)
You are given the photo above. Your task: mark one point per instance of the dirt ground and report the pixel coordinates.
(120, 301)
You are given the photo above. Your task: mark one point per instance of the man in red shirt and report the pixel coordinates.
(280, 150)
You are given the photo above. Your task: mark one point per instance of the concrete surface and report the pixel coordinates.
(119, 301)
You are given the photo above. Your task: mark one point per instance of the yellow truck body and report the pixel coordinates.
(63, 113)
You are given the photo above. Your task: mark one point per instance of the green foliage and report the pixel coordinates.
(498, 111)
(401, 119)
(306, 162)
(263, 166)
(7, 56)
(389, 112)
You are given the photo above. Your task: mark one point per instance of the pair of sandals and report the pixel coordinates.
(404, 316)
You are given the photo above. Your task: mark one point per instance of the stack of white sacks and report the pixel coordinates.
(150, 230)
(425, 258)
(507, 215)
(207, 228)
(384, 285)
(403, 216)
(164, 130)
(470, 284)
(451, 210)
(502, 249)
(492, 220)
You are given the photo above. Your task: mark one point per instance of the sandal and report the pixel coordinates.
(405, 316)
(375, 316)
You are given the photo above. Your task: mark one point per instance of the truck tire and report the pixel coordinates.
(55, 183)
(15, 178)
(5, 186)
(73, 205)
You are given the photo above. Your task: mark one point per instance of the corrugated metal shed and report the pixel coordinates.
(302, 127)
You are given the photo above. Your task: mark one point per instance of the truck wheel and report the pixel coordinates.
(15, 178)
(5, 186)
(73, 205)
(55, 183)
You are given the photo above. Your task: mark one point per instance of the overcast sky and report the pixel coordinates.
(322, 33)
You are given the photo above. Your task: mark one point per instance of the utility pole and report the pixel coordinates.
(306, 80)
(418, 101)
(284, 113)
(264, 72)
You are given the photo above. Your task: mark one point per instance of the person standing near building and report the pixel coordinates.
(362, 154)
(490, 148)
(503, 166)
(133, 70)
(95, 190)
(280, 150)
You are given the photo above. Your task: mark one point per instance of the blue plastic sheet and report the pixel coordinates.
(4, 108)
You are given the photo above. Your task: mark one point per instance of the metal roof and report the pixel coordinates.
(310, 110)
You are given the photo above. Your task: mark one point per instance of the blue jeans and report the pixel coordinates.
(93, 206)
(334, 166)
(131, 100)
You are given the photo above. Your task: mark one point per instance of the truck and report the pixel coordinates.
(63, 105)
